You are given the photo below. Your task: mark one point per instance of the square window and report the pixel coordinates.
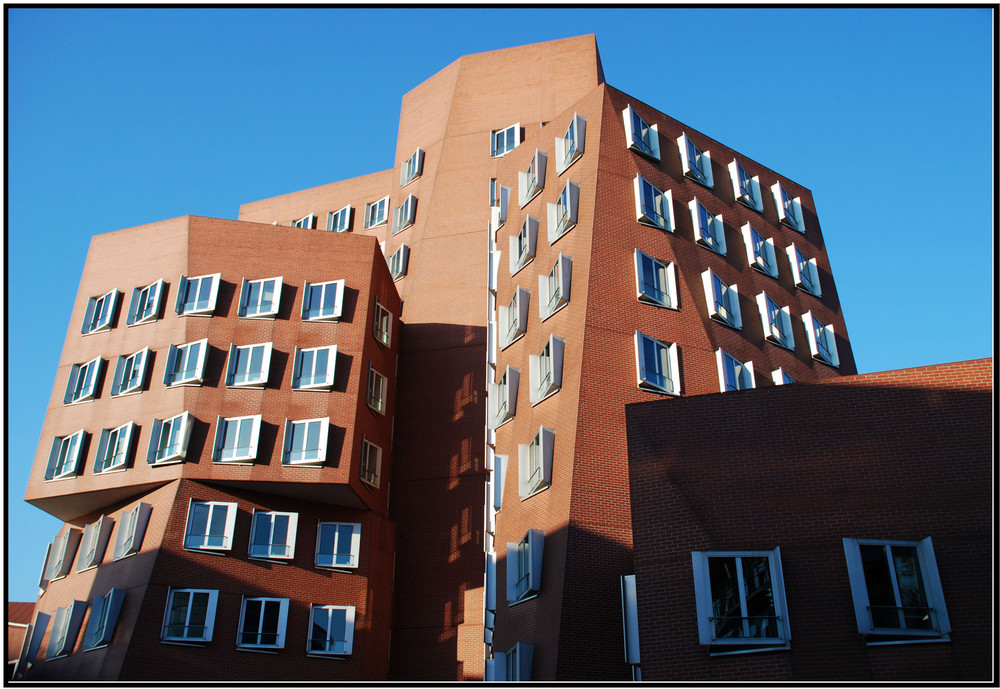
(896, 589)
(130, 373)
(339, 221)
(103, 619)
(260, 298)
(652, 206)
(377, 390)
(822, 343)
(398, 262)
(249, 365)
(733, 373)
(59, 558)
(186, 363)
(371, 462)
(338, 545)
(331, 630)
(305, 442)
(776, 321)
(197, 296)
(657, 365)
(503, 141)
(746, 189)
(314, 368)
(411, 168)
(190, 615)
(789, 209)
(760, 251)
(805, 272)
(554, 288)
(740, 599)
(502, 397)
(168, 440)
(65, 628)
(697, 164)
(513, 318)
(131, 530)
(709, 231)
(656, 281)
(236, 439)
(272, 535)
(780, 377)
(405, 215)
(639, 135)
(545, 370)
(377, 212)
(382, 324)
(723, 300)
(524, 566)
(322, 301)
(569, 148)
(534, 463)
(94, 543)
(66, 456)
(84, 381)
(531, 181)
(100, 313)
(562, 215)
(210, 525)
(308, 222)
(262, 623)
(145, 304)
(114, 451)
(523, 244)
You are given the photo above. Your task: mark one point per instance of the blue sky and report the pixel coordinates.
(119, 117)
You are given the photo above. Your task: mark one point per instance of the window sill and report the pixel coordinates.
(718, 650)
(555, 311)
(899, 642)
(522, 266)
(193, 643)
(269, 650)
(532, 596)
(217, 552)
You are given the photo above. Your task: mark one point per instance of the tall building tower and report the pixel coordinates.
(315, 464)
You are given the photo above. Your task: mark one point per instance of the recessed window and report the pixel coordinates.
(339, 221)
(499, 201)
(382, 324)
(805, 272)
(186, 363)
(723, 300)
(262, 623)
(503, 141)
(554, 288)
(272, 535)
(656, 281)
(652, 206)
(130, 373)
(534, 463)
(59, 558)
(248, 366)
(307, 223)
(657, 365)
(314, 368)
(740, 599)
(145, 304)
(531, 181)
(776, 321)
(94, 543)
(398, 262)
(371, 462)
(780, 377)
(168, 439)
(570, 147)
(411, 168)
(66, 456)
(789, 209)
(545, 370)
(524, 566)
(708, 228)
(84, 381)
(322, 301)
(746, 189)
(190, 615)
(523, 244)
(65, 628)
(695, 163)
(377, 212)
(100, 313)
(503, 397)
(378, 389)
(630, 623)
(236, 439)
(338, 545)
(562, 215)
(639, 135)
(197, 296)
(131, 530)
(331, 630)
(760, 251)
(405, 215)
(513, 318)
(260, 298)
(822, 343)
(896, 589)
(305, 442)
(103, 619)
(733, 373)
(114, 451)
(210, 525)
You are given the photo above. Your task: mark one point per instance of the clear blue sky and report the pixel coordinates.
(119, 117)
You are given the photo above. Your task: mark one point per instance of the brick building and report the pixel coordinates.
(550, 256)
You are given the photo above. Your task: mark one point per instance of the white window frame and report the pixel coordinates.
(377, 212)
(65, 628)
(704, 602)
(316, 455)
(94, 543)
(523, 245)
(733, 373)
(201, 306)
(328, 560)
(524, 567)
(326, 381)
(821, 338)
(371, 454)
(405, 215)
(760, 251)
(66, 456)
(655, 281)
(534, 463)
(216, 514)
(650, 375)
(136, 367)
(260, 309)
(326, 311)
(411, 168)
(103, 619)
(776, 322)
(377, 397)
(513, 318)
(805, 271)
(722, 300)
(929, 578)
(339, 220)
(238, 454)
(709, 231)
(306, 223)
(780, 377)
(500, 140)
(115, 448)
(100, 313)
(554, 288)
(499, 202)
(502, 397)
(168, 439)
(84, 381)
(131, 530)
(640, 136)
(258, 634)
(271, 549)
(530, 182)
(209, 621)
(661, 213)
(382, 324)
(144, 308)
(341, 647)
(237, 353)
(545, 370)
(399, 261)
(696, 163)
(746, 189)
(179, 371)
(59, 557)
(562, 215)
(570, 147)
(789, 209)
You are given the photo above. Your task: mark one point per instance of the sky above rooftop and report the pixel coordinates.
(120, 117)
